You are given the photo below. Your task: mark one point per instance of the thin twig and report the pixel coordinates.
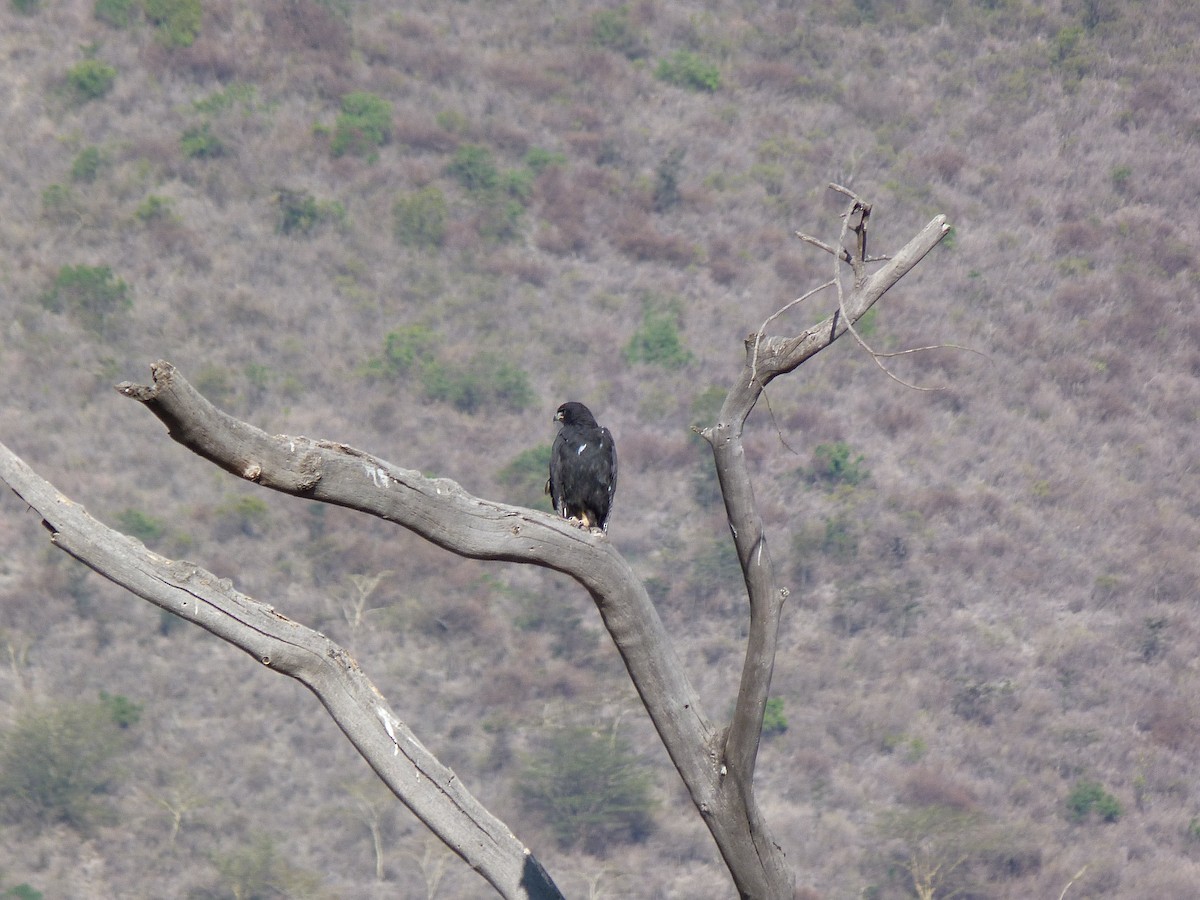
(934, 347)
(817, 242)
(1078, 875)
(775, 424)
(762, 329)
(857, 204)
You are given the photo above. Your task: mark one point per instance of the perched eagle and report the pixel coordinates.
(583, 467)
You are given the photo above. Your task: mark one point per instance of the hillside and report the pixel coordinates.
(418, 230)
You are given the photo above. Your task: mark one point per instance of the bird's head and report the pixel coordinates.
(573, 413)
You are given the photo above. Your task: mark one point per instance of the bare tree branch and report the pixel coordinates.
(767, 358)
(442, 512)
(432, 791)
(717, 765)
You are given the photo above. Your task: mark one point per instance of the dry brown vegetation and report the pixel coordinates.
(1001, 608)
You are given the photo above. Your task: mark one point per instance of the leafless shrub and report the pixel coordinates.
(432, 60)
(564, 201)
(505, 135)
(421, 133)
(1110, 402)
(776, 75)
(600, 146)
(636, 237)
(935, 502)
(791, 266)
(1169, 720)
(1174, 256)
(654, 449)
(724, 263)
(1077, 298)
(945, 163)
(594, 68)
(1150, 98)
(212, 56)
(927, 787)
(1075, 237)
(309, 27)
(897, 418)
(523, 267)
(525, 75)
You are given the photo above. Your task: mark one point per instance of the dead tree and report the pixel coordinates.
(716, 761)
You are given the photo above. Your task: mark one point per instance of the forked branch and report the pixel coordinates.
(442, 512)
(767, 357)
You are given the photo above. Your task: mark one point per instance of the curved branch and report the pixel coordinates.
(440, 511)
(766, 359)
(432, 791)
(778, 355)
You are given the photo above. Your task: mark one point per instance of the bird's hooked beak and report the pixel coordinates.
(558, 416)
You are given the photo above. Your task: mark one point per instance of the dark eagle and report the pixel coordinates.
(583, 467)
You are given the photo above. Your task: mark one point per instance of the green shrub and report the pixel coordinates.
(687, 70)
(123, 711)
(1120, 177)
(86, 165)
(868, 323)
(405, 348)
(91, 79)
(666, 181)
(116, 13)
(256, 870)
(300, 212)
(136, 523)
(26, 7)
(237, 93)
(244, 517)
(538, 160)
(487, 381)
(91, 294)
(518, 184)
(154, 208)
(774, 721)
(56, 763)
(474, 168)
(363, 126)
(199, 142)
(1192, 832)
(1153, 643)
(500, 218)
(841, 538)
(420, 218)
(178, 21)
(59, 203)
(525, 477)
(833, 464)
(22, 891)
(588, 788)
(657, 341)
(611, 28)
(1088, 797)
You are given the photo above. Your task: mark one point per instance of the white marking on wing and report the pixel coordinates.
(582, 447)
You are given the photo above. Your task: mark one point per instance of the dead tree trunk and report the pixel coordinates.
(716, 763)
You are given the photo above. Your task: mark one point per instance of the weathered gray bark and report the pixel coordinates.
(767, 357)
(716, 764)
(413, 774)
